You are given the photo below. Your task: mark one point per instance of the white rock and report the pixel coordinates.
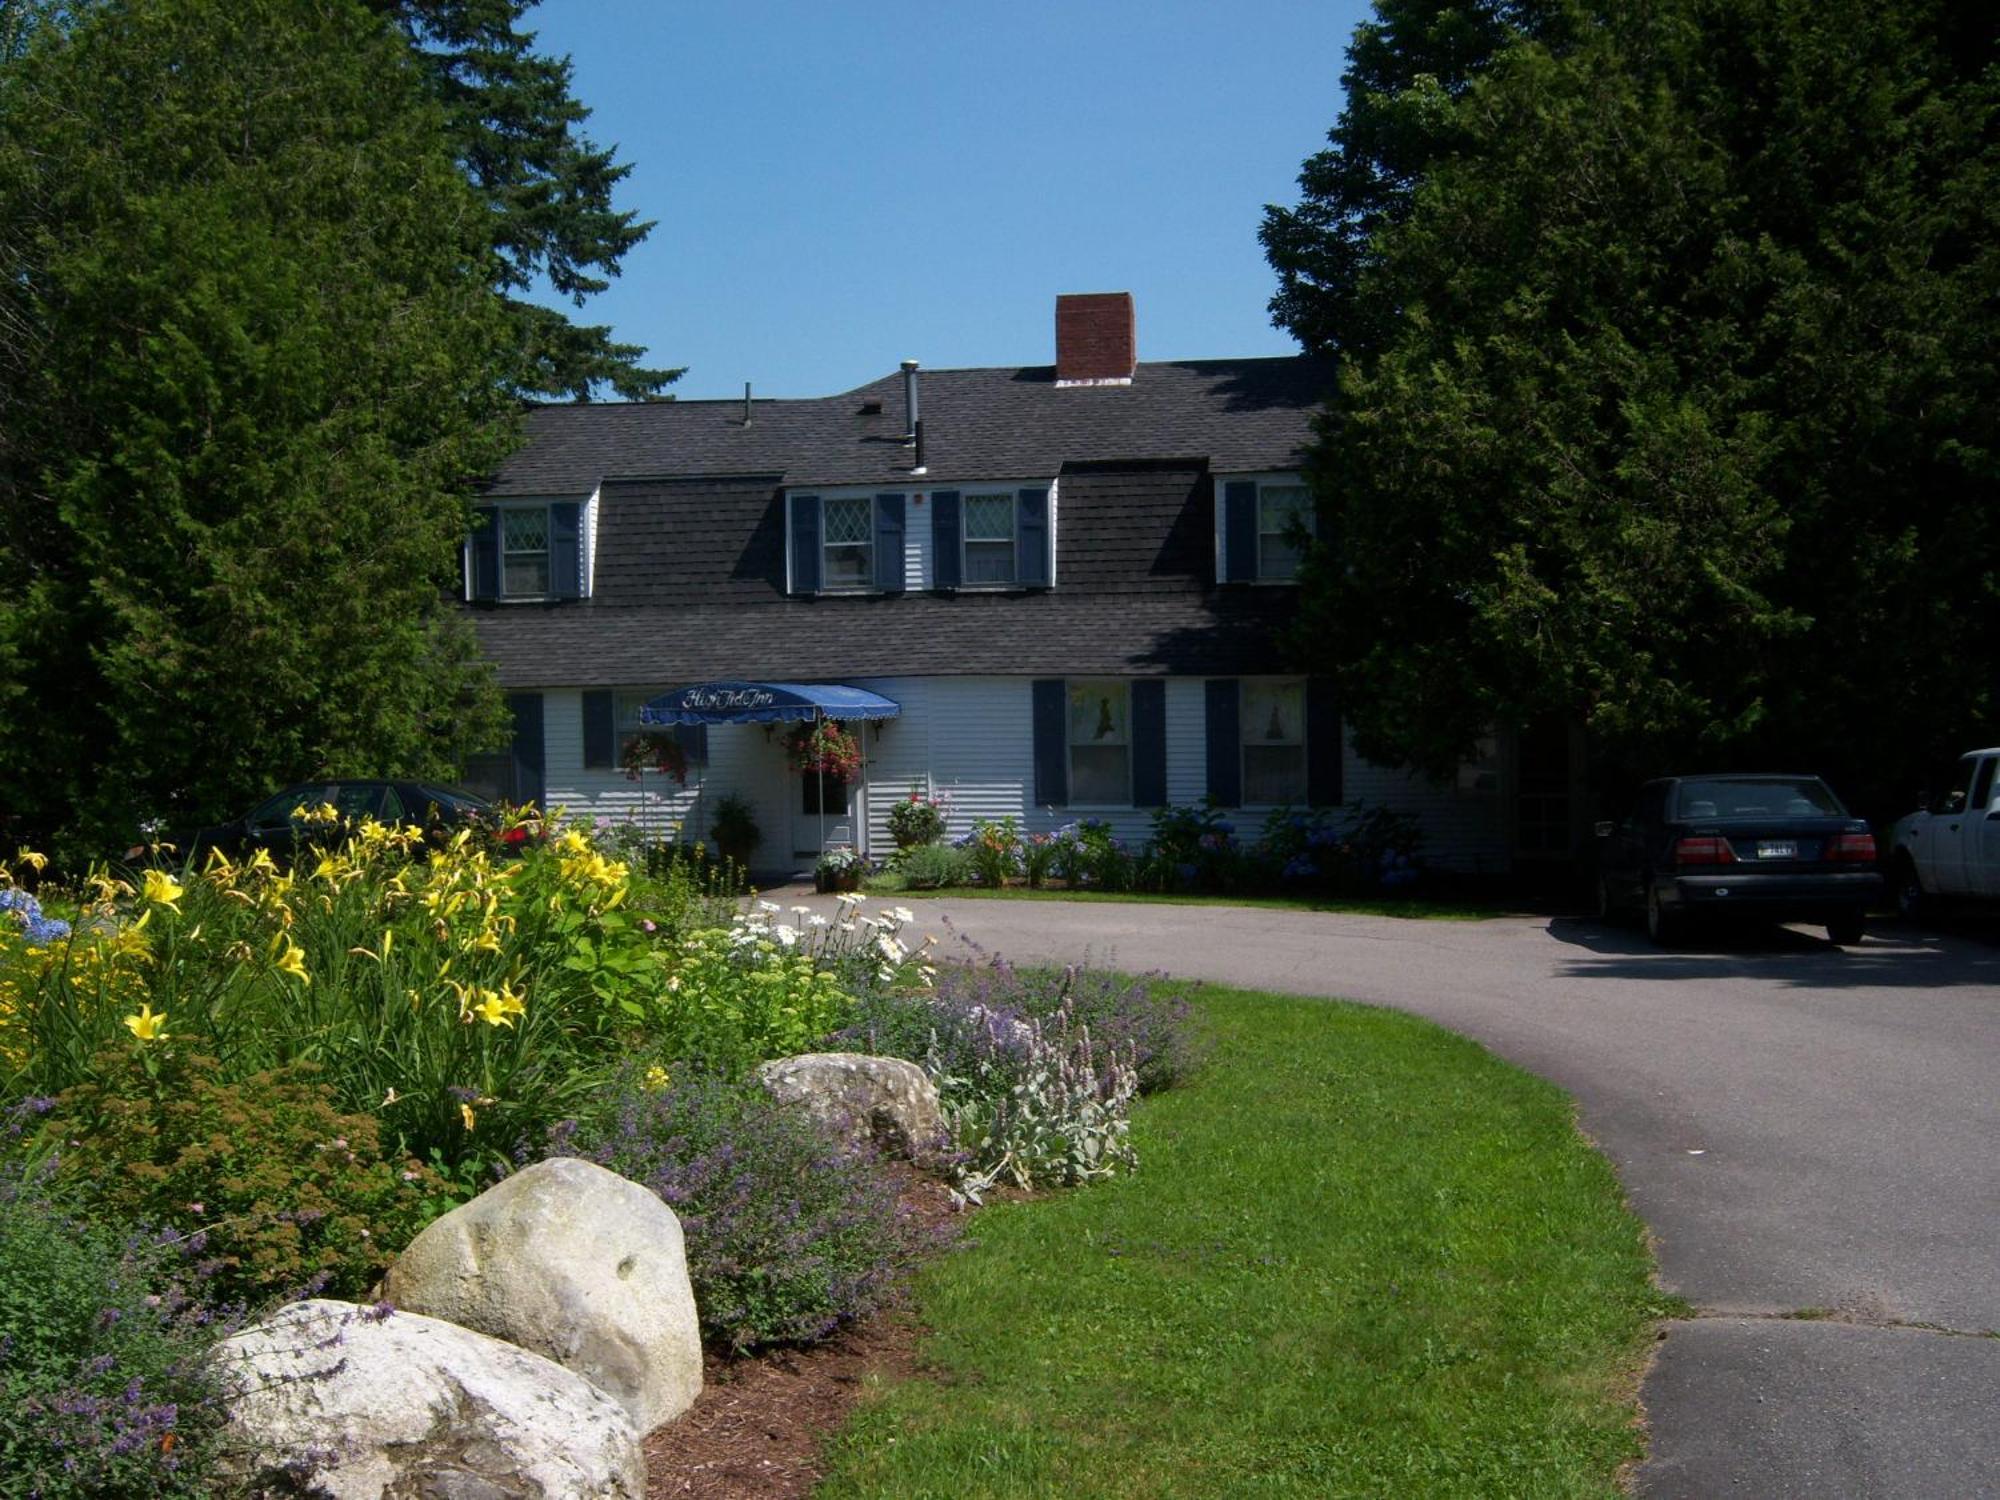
(335, 1400)
(575, 1263)
(884, 1098)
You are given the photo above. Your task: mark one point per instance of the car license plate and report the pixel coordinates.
(1778, 849)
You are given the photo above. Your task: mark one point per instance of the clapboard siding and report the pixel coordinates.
(1464, 831)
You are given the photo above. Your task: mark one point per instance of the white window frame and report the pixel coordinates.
(1124, 688)
(1275, 479)
(826, 583)
(1245, 739)
(1012, 495)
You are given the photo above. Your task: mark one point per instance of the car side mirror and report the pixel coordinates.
(1604, 828)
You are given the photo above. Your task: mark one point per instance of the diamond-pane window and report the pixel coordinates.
(524, 551)
(1279, 509)
(848, 528)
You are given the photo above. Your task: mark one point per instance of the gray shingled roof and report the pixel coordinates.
(1238, 414)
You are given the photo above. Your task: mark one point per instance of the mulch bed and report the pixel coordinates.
(757, 1429)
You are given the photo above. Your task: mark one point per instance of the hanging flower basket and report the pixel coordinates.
(824, 748)
(652, 752)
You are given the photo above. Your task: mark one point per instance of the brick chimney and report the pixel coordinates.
(1097, 338)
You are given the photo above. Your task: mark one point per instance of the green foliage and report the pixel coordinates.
(288, 1195)
(733, 826)
(250, 364)
(929, 867)
(995, 850)
(517, 130)
(917, 819)
(102, 1386)
(741, 995)
(1681, 420)
(790, 1233)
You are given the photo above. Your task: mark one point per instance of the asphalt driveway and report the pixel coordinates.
(1812, 1134)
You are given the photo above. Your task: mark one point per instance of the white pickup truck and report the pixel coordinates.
(1950, 847)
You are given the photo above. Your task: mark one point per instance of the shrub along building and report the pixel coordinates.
(1058, 590)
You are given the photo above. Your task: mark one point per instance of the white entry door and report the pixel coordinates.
(810, 832)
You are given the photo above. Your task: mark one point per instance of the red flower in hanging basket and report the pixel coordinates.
(651, 752)
(824, 748)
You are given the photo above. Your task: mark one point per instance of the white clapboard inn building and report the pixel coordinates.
(1051, 592)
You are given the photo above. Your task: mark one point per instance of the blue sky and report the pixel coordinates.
(840, 187)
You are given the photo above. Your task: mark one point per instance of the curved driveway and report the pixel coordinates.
(1813, 1136)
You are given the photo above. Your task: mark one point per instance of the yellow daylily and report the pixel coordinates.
(465, 1113)
(163, 890)
(146, 1026)
(492, 1009)
(287, 957)
(34, 859)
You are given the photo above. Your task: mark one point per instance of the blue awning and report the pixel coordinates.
(765, 703)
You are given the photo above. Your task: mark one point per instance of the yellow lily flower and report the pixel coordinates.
(287, 957)
(33, 859)
(492, 1009)
(466, 1114)
(163, 890)
(146, 1026)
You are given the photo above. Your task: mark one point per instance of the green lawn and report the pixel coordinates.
(1361, 1257)
(891, 884)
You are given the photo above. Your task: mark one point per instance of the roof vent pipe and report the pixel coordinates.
(913, 415)
(746, 403)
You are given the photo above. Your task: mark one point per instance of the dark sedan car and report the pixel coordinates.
(1777, 848)
(278, 826)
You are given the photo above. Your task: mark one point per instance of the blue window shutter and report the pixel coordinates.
(1323, 743)
(1239, 530)
(805, 544)
(527, 748)
(889, 543)
(486, 553)
(1149, 742)
(693, 740)
(944, 539)
(566, 550)
(1031, 538)
(1225, 742)
(1051, 742)
(600, 731)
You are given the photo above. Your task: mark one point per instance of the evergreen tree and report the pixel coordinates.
(252, 362)
(1677, 414)
(516, 128)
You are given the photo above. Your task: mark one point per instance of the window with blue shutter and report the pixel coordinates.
(600, 730)
(486, 553)
(1224, 706)
(1149, 743)
(945, 538)
(1031, 525)
(889, 558)
(1239, 531)
(1323, 744)
(527, 785)
(1051, 739)
(805, 544)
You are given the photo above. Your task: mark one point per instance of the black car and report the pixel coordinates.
(1777, 848)
(277, 825)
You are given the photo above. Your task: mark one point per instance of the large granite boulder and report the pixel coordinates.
(355, 1403)
(575, 1263)
(884, 1099)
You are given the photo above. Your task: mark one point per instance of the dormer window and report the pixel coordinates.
(994, 537)
(523, 550)
(1259, 522)
(849, 542)
(989, 538)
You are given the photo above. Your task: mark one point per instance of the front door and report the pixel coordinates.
(810, 831)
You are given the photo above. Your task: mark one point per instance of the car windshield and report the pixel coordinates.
(463, 804)
(1757, 797)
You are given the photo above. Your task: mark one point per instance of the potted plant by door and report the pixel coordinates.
(734, 829)
(839, 869)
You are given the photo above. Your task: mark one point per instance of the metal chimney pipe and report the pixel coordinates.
(746, 403)
(910, 415)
